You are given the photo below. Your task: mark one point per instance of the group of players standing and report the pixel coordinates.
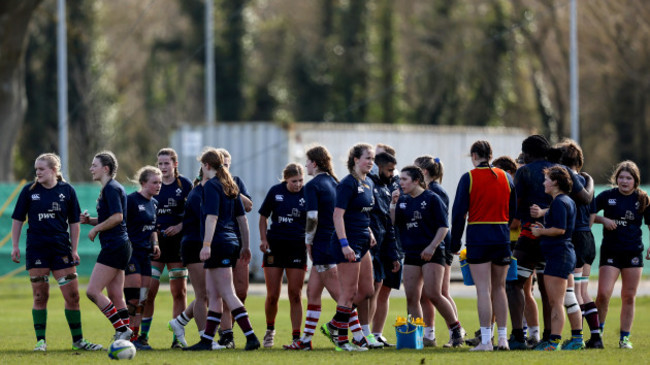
(362, 234)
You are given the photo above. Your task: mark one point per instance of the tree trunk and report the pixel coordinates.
(14, 21)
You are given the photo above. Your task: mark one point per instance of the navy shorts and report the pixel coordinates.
(382, 267)
(621, 260)
(359, 246)
(224, 255)
(140, 263)
(585, 246)
(170, 248)
(560, 261)
(320, 253)
(53, 258)
(191, 252)
(437, 258)
(392, 279)
(116, 256)
(498, 254)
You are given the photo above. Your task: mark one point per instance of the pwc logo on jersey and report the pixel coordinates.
(148, 228)
(282, 219)
(42, 216)
(279, 198)
(36, 196)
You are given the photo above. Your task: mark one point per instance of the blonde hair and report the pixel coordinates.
(144, 173)
(54, 162)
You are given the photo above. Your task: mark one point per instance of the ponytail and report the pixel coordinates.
(214, 159)
(483, 149)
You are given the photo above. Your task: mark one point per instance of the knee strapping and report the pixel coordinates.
(40, 279)
(155, 273)
(570, 301)
(143, 294)
(524, 272)
(180, 273)
(67, 279)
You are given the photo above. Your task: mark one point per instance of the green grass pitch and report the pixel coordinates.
(17, 337)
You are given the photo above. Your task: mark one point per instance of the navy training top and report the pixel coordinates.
(243, 191)
(287, 212)
(418, 219)
(192, 216)
(624, 210)
(49, 211)
(356, 198)
(561, 214)
(112, 200)
(216, 202)
(436, 188)
(584, 211)
(171, 202)
(380, 223)
(320, 193)
(141, 222)
(529, 186)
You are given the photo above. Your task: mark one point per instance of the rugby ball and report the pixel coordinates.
(121, 350)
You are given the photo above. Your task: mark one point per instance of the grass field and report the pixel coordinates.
(17, 337)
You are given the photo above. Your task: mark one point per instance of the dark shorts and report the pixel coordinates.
(191, 252)
(585, 246)
(360, 248)
(170, 248)
(560, 261)
(621, 260)
(382, 268)
(48, 258)
(140, 263)
(286, 260)
(116, 257)
(437, 258)
(320, 253)
(392, 279)
(498, 254)
(529, 254)
(225, 255)
(449, 257)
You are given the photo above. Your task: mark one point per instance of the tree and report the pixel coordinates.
(15, 17)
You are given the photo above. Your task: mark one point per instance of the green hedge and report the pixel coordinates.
(87, 194)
